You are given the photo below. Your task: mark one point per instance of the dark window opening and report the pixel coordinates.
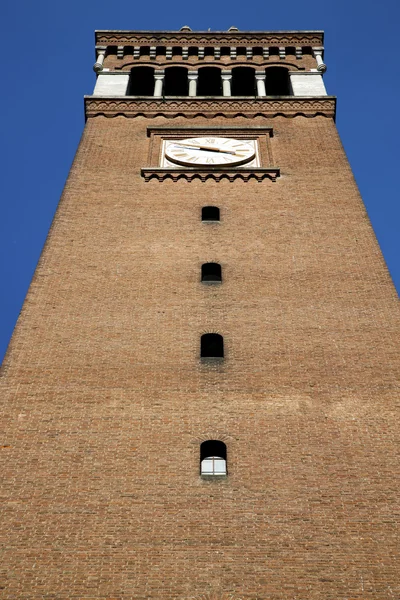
(141, 81)
(257, 51)
(209, 82)
(277, 81)
(176, 51)
(193, 50)
(144, 50)
(307, 50)
(241, 51)
(160, 51)
(176, 81)
(243, 81)
(290, 51)
(210, 213)
(213, 458)
(212, 346)
(273, 51)
(211, 272)
(209, 51)
(225, 51)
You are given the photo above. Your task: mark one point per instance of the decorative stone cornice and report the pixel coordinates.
(151, 107)
(160, 174)
(208, 38)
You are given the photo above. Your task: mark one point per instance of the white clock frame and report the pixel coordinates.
(195, 158)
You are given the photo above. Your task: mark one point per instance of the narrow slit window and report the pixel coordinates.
(210, 213)
(213, 458)
(211, 272)
(212, 345)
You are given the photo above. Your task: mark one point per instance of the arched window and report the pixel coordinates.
(277, 81)
(141, 81)
(209, 82)
(176, 81)
(243, 81)
(211, 272)
(210, 213)
(213, 458)
(212, 346)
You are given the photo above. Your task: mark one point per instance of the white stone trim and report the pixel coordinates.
(308, 83)
(111, 83)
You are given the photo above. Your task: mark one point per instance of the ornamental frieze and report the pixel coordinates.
(119, 38)
(250, 108)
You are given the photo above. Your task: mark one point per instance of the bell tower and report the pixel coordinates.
(201, 392)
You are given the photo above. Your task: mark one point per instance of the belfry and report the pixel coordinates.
(201, 395)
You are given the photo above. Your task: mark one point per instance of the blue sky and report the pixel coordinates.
(48, 52)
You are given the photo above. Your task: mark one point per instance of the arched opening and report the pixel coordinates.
(211, 272)
(209, 82)
(141, 81)
(213, 458)
(210, 213)
(212, 346)
(243, 81)
(176, 81)
(277, 81)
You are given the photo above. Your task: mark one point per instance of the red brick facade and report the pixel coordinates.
(105, 400)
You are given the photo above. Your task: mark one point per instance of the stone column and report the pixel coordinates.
(158, 83)
(193, 76)
(321, 66)
(260, 80)
(101, 54)
(226, 77)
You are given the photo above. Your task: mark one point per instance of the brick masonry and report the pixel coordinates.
(105, 401)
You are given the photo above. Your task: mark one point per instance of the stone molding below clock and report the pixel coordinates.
(150, 107)
(161, 173)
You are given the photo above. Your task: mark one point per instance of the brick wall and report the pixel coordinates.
(106, 402)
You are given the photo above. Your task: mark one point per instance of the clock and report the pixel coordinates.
(209, 152)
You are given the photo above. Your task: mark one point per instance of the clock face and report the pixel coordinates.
(209, 152)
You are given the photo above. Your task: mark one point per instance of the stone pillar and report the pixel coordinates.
(321, 66)
(101, 54)
(158, 83)
(260, 80)
(226, 77)
(193, 76)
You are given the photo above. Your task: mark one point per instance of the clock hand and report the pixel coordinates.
(206, 148)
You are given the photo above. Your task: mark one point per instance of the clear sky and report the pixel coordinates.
(47, 56)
